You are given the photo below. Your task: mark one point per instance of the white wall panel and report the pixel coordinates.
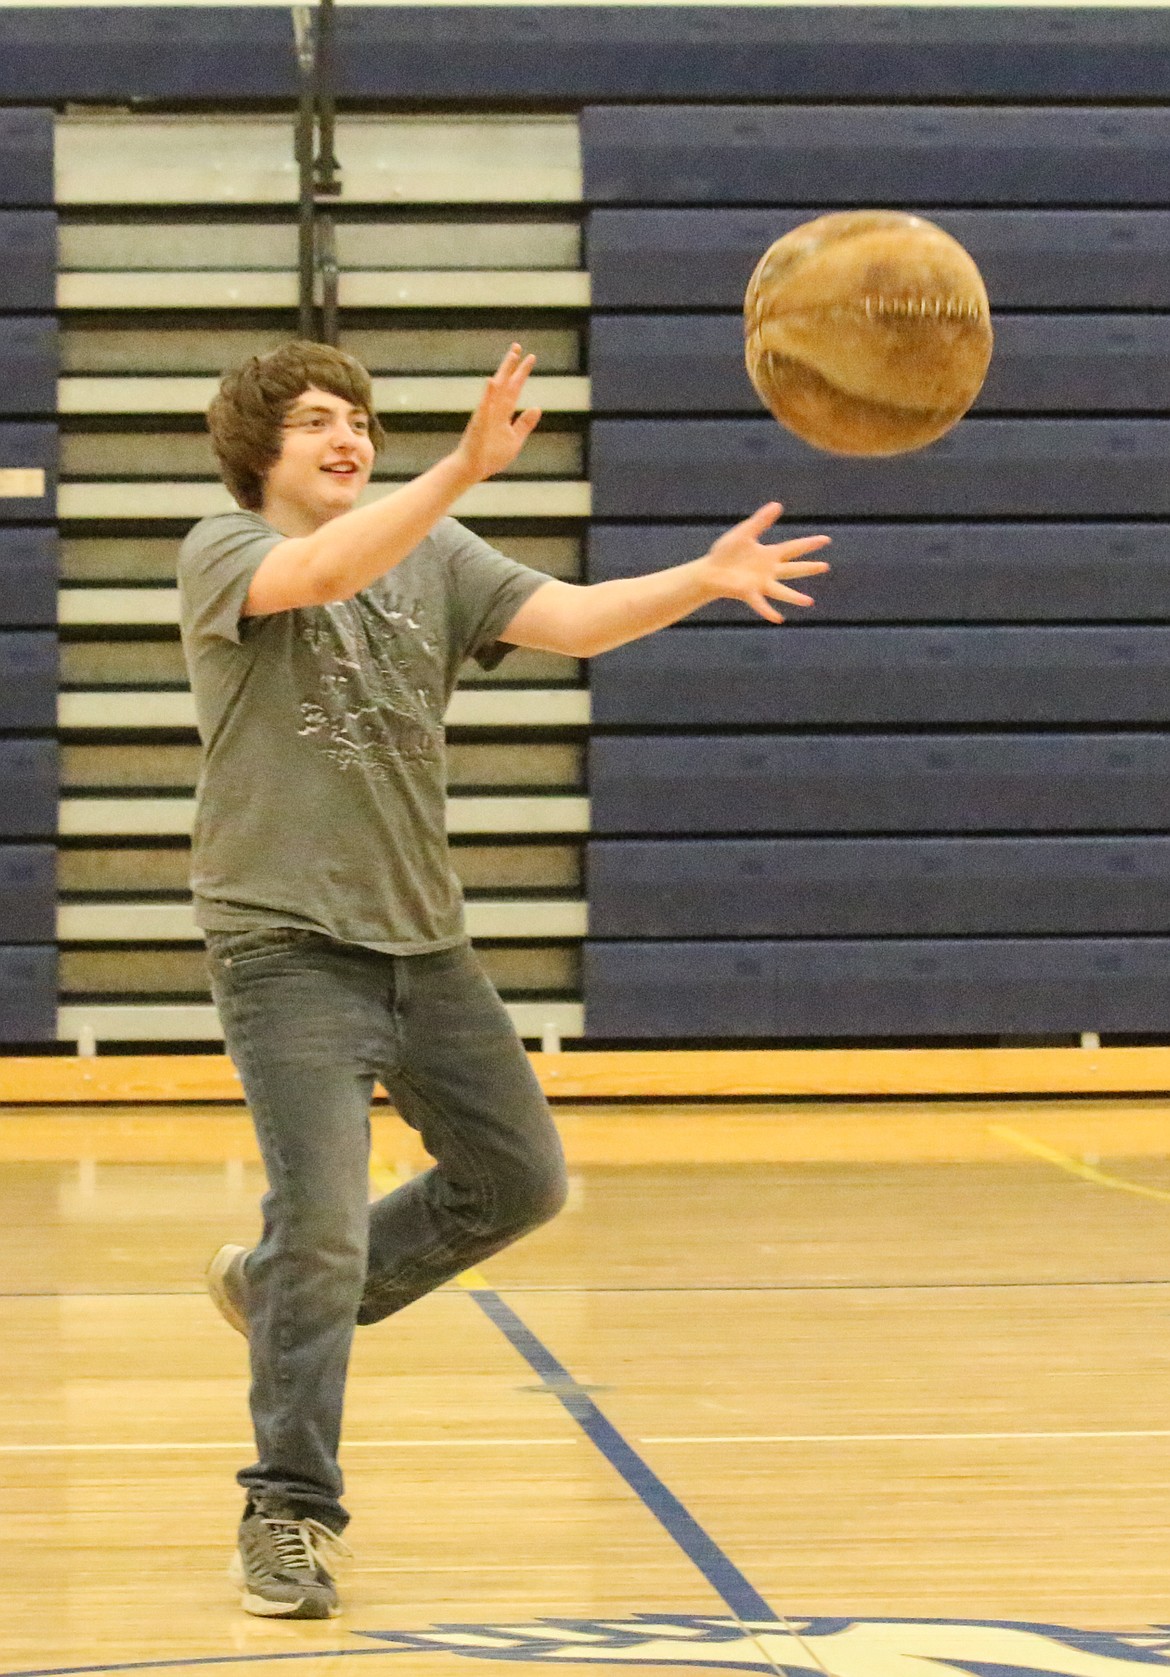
(155, 1022)
(114, 817)
(175, 501)
(169, 922)
(392, 395)
(119, 159)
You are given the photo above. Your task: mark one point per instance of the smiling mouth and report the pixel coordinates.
(340, 471)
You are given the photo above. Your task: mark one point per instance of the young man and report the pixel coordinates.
(323, 642)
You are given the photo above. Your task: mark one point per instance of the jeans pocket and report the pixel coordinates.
(241, 949)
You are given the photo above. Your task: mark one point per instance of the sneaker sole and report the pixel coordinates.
(262, 1608)
(217, 1288)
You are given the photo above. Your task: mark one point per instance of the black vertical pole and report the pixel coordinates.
(325, 173)
(306, 252)
(330, 279)
(325, 181)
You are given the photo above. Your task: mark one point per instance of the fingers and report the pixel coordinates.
(508, 364)
(761, 520)
(518, 377)
(762, 609)
(512, 370)
(801, 570)
(777, 591)
(785, 551)
(524, 424)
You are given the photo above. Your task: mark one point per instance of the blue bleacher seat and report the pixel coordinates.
(877, 887)
(844, 155)
(28, 364)
(146, 52)
(1069, 363)
(24, 445)
(880, 783)
(984, 468)
(889, 987)
(26, 153)
(475, 53)
(28, 788)
(28, 259)
(28, 577)
(1057, 259)
(28, 680)
(891, 573)
(28, 893)
(28, 993)
(762, 677)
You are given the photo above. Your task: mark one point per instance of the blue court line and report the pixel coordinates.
(207, 1659)
(724, 1577)
(702, 1551)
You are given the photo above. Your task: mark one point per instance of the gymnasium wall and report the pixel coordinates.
(936, 809)
(28, 579)
(937, 804)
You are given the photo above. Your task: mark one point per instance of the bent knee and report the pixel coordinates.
(540, 1195)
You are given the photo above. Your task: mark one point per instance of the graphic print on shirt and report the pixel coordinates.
(381, 690)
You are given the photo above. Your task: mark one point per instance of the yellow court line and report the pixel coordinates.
(1076, 1167)
(386, 1180)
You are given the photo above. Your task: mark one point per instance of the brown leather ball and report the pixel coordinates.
(867, 332)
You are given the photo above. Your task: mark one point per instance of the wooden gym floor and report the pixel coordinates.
(789, 1388)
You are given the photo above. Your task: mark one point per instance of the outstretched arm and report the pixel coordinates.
(582, 621)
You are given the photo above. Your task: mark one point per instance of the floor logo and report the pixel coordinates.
(840, 1647)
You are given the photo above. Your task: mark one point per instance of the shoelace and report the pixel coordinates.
(306, 1545)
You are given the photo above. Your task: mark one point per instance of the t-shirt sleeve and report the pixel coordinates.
(216, 565)
(487, 590)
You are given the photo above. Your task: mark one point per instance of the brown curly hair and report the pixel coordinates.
(250, 406)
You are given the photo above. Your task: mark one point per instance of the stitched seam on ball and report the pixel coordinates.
(898, 308)
(922, 308)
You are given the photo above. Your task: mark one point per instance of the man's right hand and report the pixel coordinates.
(495, 432)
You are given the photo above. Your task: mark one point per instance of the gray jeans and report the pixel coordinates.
(310, 1024)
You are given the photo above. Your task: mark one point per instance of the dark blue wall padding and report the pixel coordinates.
(29, 445)
(28, 994)
(693, 363)
(842, 155)
(880, 783)
(26, 156)
(984, 468)
(28, 259)
(28, 364)
(891, 573)
(149, 52)
(28, 679)
(865, 887)
(28, 578)
(697, 677)
(477, 53)
(28, 893)
(1036, 259)
(892, 987)
(28, 788)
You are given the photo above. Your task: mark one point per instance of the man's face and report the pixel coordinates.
(326, 457)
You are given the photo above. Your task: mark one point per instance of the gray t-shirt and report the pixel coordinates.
(321, 803)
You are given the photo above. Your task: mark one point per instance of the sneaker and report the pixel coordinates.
(225, 1284)
(279, 1565)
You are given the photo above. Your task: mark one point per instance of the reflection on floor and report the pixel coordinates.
(775, 1379)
